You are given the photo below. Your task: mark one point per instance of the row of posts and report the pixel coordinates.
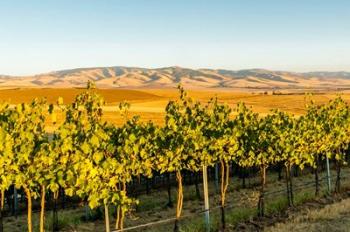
(206, 194)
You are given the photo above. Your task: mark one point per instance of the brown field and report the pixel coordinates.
(150, 103)
(20, 95)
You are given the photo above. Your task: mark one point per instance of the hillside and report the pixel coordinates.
(129, 77)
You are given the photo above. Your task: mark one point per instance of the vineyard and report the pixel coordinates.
(89, 161)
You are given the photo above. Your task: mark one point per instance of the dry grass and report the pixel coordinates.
(335, 217)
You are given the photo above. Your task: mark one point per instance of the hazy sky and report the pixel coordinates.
(298, 35)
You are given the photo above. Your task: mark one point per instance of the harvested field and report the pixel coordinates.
(150, 104)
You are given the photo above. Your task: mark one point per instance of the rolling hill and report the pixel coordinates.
(130, 77)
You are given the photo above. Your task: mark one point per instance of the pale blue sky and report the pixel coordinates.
(299, 35)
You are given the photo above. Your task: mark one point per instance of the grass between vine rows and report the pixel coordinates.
(241, 207)
(334, 217)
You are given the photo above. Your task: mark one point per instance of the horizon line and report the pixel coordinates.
(172, 66)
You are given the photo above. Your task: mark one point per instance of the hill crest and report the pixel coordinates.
(168, 77)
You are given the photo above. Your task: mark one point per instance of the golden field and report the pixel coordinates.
(150, 103)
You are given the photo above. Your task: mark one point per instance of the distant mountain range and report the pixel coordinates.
(129, 77)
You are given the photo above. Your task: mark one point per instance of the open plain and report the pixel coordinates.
(150, 104)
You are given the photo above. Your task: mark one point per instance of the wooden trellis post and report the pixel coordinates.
(206, 199)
